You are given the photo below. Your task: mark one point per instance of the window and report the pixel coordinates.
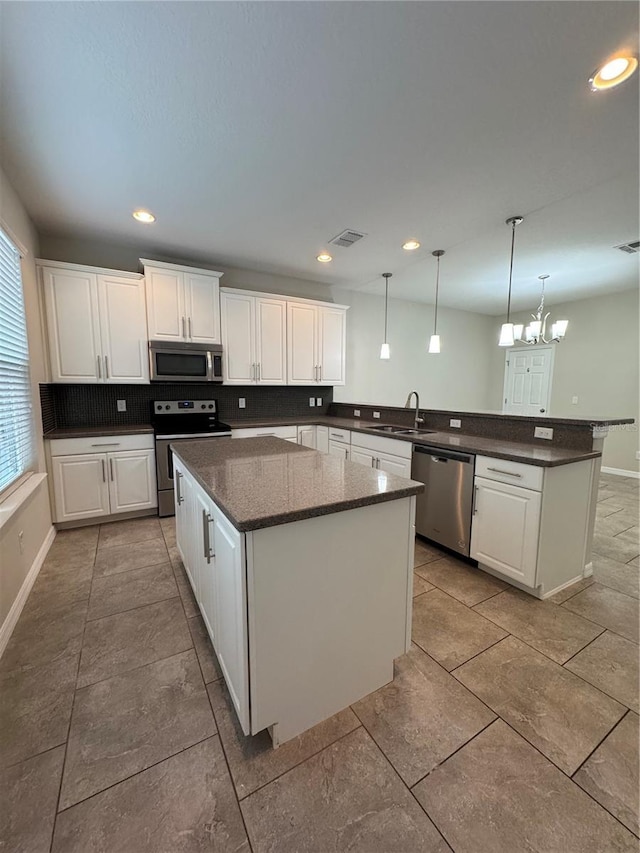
(16, 424)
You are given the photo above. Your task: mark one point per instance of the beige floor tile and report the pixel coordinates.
(604, 509)
(610, 663)
(186, 593)
(425, 552)
(420, 585)
(206, 655)
(610, 775)
(124, 641)
(621, 547)
(128, 590)
(541, 624)
(124, 558)
(450, 632)
(611, 525)
(129, 722)
(499, 795)
(607, 607)
(346, 798)
(185, 804)
(466, 583)
(422, 716)
(569, 591)
(128, 532)
(45, 635)
(29, 797)
(625, 577)
(253, 760)
(559, 713)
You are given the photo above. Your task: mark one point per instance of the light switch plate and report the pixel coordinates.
(122, 405)
(543, 432)
(356, 413)
(376, 414)
(242, 402)
(455, 422)
(318, 401)
(312, 401)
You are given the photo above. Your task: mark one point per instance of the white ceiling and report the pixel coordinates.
(257, 131)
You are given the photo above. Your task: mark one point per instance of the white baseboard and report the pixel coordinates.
(620, 472)
(6, 630)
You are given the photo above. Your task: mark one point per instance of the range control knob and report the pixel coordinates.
(167, 406)
(203, 406)
(158, 407)
(211, 405)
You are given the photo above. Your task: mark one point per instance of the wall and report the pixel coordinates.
(34, 516)
(598, 362)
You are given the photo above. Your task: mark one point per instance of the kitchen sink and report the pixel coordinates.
(400, 430)
(415, 432)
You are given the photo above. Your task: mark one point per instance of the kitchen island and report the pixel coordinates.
(302, 566)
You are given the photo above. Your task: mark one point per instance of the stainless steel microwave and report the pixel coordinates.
(184, 362)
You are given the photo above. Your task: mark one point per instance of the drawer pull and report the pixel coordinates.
(108, 444)
(336, 435)
(502, 471)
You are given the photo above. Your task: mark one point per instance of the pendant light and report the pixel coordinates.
(434, 341)
(385, 349)
(506, 332)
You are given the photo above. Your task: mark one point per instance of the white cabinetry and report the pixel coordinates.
(385, 454)
(102, 476)
(254, 338)
(183, 304)
(530, 524)
(316, 344)
(96, 324)
(289, 433)
(307, 436)
(322, 438)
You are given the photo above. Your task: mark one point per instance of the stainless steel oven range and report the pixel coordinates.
(180, 420)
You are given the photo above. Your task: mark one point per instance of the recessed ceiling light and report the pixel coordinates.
(143, 216)
(324, 258)
(613, 73)
(410, 245)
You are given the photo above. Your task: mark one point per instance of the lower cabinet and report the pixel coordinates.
(102, 476)
(384, 454)
(339, 449)
(505, 529)
(322, 438)
(307, 436)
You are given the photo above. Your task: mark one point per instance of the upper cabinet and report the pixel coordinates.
(316, 343)
(254, 339)
(183, 304)
(96, 324)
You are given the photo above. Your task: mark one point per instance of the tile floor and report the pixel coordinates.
(511, 725)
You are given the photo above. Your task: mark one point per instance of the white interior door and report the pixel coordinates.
(271, 341)
(202, 297)
(123, 329)
(302, 349)
(132, 481)
(71, 298)
(238, 337)
(528, 375)
(331, 345)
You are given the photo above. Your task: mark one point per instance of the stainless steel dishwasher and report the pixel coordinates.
(443, 510)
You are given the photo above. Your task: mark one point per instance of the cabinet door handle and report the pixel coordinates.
(179, 498)
(184, 332)
(502, 471)
(99, 367)
(377, 463)
(259, 371)
(475, 500)
(319, 373)
(190, 332)
(206, 521)
(111, 469)
(104, 476)
(373, 461)
(106, 366)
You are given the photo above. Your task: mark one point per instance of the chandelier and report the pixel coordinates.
(535, 332)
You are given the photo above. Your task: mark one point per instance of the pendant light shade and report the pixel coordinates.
(507, 337)
(434, 341)
(385, 349)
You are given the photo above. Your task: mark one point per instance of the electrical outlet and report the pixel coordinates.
(318, 401)
(455, 422)
(356, 413)
(574, 401)
(122, 405)
(312, 401)
(376, 414)
(543, 432)
(638, 454)
(21, 541)
(242, 402)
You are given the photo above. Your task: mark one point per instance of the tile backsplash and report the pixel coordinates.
(70, 406)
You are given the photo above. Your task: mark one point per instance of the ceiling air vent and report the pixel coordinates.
(347, 238)
(629, 248)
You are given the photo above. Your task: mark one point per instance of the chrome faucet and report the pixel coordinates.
(407, 405)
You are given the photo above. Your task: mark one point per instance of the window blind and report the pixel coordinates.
(16, 423)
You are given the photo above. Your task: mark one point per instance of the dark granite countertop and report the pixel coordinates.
(89, 432)
(548, 420)
(263, 482)
(529, 454)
